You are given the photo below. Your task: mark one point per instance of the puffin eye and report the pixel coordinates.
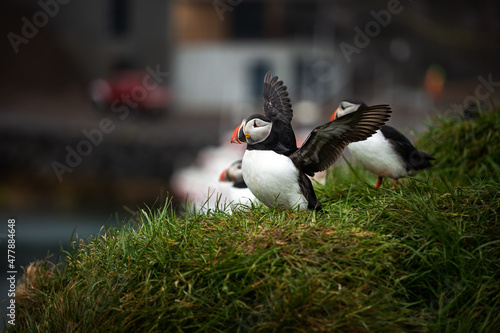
(255, 124)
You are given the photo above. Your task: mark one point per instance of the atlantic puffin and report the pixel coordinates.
(278, 108)
(280, 178)
(233, 174)
(387, 153)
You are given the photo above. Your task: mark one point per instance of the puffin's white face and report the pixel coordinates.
(235, 173)
(232, 174)
(257, 130)
(344, 108)
(252, 130)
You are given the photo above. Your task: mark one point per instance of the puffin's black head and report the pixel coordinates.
(347, 106)
(254, 129)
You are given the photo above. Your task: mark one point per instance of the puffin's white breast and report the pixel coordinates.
(272, 178)
(378, 156)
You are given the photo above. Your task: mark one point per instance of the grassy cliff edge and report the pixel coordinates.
(422, 257)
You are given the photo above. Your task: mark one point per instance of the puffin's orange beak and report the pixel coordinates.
(238, 136)
(334, 115)
(225, 176)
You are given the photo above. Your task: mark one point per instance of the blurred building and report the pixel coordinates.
(52, 53)
(325, 51)
(244, 41)
(84, 38)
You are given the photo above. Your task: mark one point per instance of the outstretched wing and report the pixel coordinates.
(326, 143)
(277, 105)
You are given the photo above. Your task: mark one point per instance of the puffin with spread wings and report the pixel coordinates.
(275, 93)
(274, 169)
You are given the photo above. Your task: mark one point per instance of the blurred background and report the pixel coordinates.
(107, 105)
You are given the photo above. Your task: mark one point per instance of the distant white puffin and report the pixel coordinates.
(234, 175)
(387, 153)
(277, 175)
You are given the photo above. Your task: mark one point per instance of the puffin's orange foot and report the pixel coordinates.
(379, 182)
(395, 183)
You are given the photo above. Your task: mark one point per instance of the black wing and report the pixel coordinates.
(277, 105)
(398, 141)
(414, 158)
(326, 143)
(278, 108)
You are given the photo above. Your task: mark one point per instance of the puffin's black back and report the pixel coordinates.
(414, 158)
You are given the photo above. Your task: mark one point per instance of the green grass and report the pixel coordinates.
(465, 150)
(420, 258)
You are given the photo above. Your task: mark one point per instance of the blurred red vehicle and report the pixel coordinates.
(126, 87)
